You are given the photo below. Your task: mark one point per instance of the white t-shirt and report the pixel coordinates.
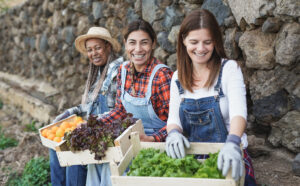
(231, 105)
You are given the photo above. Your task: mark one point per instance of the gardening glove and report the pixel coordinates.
(231, 156)
(175, 143)
(74, 110)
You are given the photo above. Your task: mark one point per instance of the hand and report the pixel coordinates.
(67, 113)
(175, 143)
(145, 138)
(231, 156)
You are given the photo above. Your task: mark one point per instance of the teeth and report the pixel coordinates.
(199, 55)
(96, 59)
(138, 56)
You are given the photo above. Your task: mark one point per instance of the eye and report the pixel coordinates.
(97, 48)
(208, 42)
(89, 50)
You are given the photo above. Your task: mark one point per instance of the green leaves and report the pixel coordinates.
(6, 142)
(35, 173)
(150, 162)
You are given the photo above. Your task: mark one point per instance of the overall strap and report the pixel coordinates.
(180, 89)
(123, 77)
(149, 86)
(218, 86)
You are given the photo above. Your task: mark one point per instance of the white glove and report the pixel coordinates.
(74, 110)
(175, 143)
(231, 156)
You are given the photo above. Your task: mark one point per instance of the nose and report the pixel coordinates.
(200, 46)
(94, 52)
(138, 47)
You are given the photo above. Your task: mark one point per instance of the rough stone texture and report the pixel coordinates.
(286, 132)
(296, 165)
(230, 45)
(287, 7)
(149, 10)
(258, 49)
(173, 16)
(250, 10)
(218, 8)
(264, 83)
(173, 35)
(256, 146)
(162, 39)
(271, 25)
(172, 62)
(288, 44)
(270, 108)
(161, 54)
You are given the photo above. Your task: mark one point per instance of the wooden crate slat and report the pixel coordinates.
(49, 143)
(162, 181)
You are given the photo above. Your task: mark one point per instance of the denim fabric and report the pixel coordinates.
(202, 119)
(70, 176)
(142, 108)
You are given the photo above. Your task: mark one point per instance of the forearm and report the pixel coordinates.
(237, 126)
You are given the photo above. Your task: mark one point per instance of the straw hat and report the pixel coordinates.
(96, 32)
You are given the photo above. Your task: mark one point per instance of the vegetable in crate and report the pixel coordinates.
(150, 162)
(97, 136)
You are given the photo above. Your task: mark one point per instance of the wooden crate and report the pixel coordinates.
(49, 143)
(196, 148)
(114, 154)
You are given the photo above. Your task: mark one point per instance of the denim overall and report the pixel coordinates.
(99, 174)
(142, 108)
(202, 121)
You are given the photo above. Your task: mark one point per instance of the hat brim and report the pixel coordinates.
(80, 42)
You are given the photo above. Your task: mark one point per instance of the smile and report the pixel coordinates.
(96, 59)
(200, 55)
(138, 56)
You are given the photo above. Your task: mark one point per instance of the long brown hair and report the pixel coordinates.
(137, 25)
(199, 19)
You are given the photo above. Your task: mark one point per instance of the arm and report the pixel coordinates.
(161, 89)
(230, 155)
(173, 118)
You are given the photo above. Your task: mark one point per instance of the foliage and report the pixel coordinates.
(150, 162)
(35, 173)
(6, 142)
(30, 127)
(97, 136)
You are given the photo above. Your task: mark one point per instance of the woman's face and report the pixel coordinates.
(138, 48)
(97, 51)
(199, 46)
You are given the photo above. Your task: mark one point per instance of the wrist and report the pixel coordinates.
(173, 131)
(234, 139)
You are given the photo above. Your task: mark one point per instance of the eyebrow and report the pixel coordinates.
(141, 40)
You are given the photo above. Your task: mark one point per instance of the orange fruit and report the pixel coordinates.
(65, 125)
(57, 139)
(54, 129)
(60, 132)
(51, 136)
(45, 133)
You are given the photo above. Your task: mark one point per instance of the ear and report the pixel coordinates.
(184, 41)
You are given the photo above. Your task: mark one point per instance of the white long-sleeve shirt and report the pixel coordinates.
(231, 105)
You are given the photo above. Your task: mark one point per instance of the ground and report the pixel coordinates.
(271, 170)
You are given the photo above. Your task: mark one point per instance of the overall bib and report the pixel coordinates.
(142, 108)
(202, 121)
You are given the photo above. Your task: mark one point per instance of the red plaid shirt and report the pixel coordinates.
(160, 94)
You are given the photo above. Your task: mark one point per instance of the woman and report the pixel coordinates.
(208, 97)
(143, 89)
(98, 97)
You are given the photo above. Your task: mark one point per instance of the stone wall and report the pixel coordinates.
(37, 41)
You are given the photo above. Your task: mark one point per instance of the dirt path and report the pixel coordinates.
(271, 170)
